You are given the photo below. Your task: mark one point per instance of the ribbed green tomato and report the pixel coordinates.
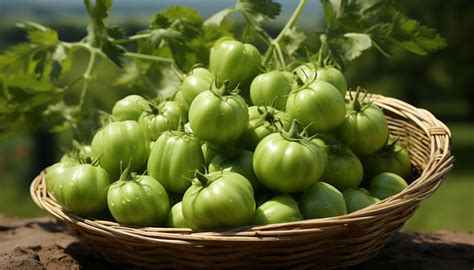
(174, 158)
(390, 158)
(322, 200)
(357, 198)
(234, 61)
(197, 81)
(82, 189)
(364, 129)
(282, 208)
(263, 121)
(271, 89)
(164, 117)
(286, 162)
(318, 105)
(129, 108)
(138, 200)
(175, 217)
(120, 143)
(56, 172)
(343, 169)
(219, 200)
(239, 162)
(218, 118)
(386, 184)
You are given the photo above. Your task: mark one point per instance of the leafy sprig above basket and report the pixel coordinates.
(178, 38)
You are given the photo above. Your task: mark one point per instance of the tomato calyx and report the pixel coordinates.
(355, 104)
(224, 89)
(201, 179)
(294, 134)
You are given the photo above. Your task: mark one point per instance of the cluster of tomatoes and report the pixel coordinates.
(235, 147)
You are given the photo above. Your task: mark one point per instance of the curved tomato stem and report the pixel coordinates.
(202, 178)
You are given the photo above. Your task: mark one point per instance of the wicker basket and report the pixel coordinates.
(317, 243)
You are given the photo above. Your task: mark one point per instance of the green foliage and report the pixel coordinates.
(34, 91)
(356, 25)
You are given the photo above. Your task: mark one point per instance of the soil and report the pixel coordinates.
(44, 243)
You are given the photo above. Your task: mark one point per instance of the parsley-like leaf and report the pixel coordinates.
(259, 10)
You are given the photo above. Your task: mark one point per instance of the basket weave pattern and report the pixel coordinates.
(317, 243)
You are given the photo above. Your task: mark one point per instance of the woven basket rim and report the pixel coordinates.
(440, 162)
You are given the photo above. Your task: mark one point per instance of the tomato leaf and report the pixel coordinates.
(259, 10)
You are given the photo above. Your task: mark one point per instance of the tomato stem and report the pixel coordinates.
(355, 102)
(202, 178)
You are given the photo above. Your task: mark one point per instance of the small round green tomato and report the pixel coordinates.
(199, 80)
(357, 198)
(234, 61)
(263, 121)
(173, 159)
(176, 218)
(129, 108)
(282, 208)
(334, 77)
(82, 189)
(120, 143)
(386, 184)
(240, 163)
(179, 98)
(305, 73)
(164, 117)
(364, 129)
(322, 200)
(271, 89)
(219, 200)
(209, 151)
(139, 201)
(343, 169)
(286, 163)
(319, 106)
(391, 158)
(219, 119)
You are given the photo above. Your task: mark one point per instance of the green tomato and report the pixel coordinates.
(82, 189)
(219, 119)
(322, 200)
(219, 200)
(234, 61)
(357, 198)
(334, 77)
(176, 218)
(165, 116)
(139, 200)
(287, 163)
(263, 121)
(199, 80)
(282, 208)
(129, 108)
(119, 143)
(386, 184)
(343, 169)
(174, 158)
(179, 98)
(364, 129)
(209, 151)
(271, 89)
(240, 162)
(305, 73)
(319, 106)
(56, 173)
(391, 158)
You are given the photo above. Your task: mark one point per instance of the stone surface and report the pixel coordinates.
(44, 243)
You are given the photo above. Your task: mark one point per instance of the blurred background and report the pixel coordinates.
(441, 83)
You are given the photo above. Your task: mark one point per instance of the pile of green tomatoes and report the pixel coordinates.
(235, 146)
